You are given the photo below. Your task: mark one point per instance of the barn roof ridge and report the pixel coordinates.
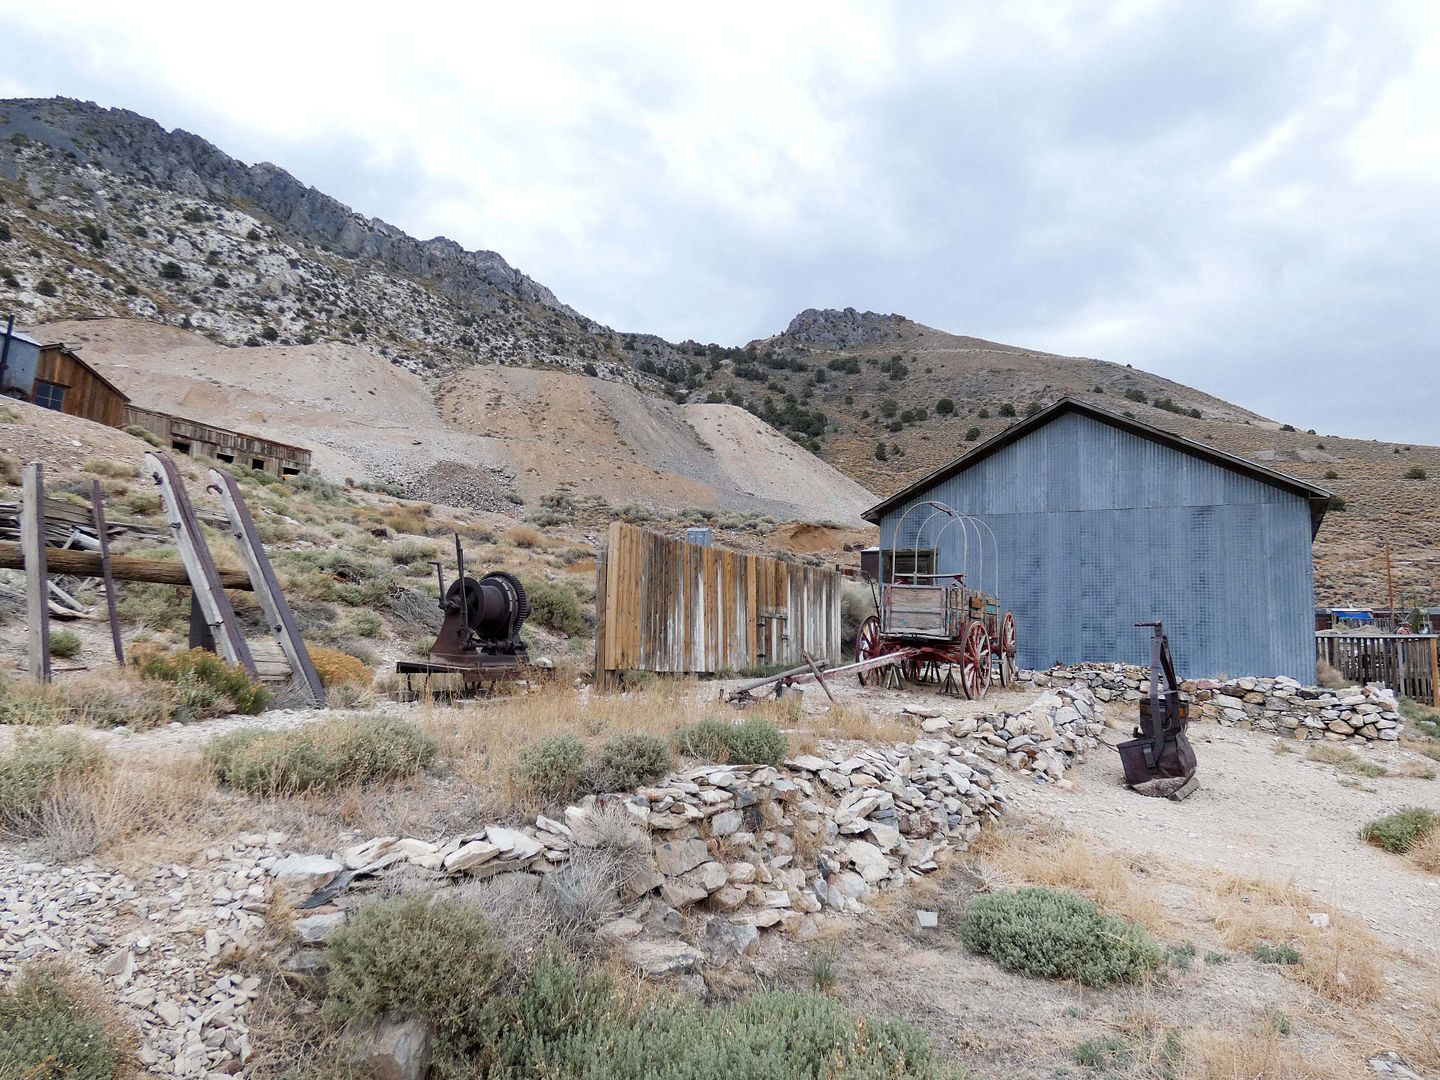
(1318, 497)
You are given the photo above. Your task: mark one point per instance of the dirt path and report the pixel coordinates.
(1272, 814)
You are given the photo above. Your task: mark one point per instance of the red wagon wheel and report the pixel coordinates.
(867, 647)
(975, 661)
(1006, 648)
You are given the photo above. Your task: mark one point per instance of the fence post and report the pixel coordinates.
(37, 580)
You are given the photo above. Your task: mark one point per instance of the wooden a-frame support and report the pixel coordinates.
(213, 621)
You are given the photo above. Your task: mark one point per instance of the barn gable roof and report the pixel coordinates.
(1318, 497)
(61, 347)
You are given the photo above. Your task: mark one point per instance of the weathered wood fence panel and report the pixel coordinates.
(1409, 664)
(668, 606)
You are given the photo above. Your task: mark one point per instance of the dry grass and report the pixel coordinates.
(1262, 1054)
(843, 720)
(1341, 962)
(1030, 856)
(482, 741)
(106, 813)
(1426, 854)
(523, 536)
(118, 697)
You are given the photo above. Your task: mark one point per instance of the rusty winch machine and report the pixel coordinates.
(479, 638)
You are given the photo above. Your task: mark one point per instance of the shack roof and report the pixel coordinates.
(61, 347)
(1318, 497)
(18, 335)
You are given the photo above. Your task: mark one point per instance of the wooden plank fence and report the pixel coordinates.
(668, 606)
(1409, 664)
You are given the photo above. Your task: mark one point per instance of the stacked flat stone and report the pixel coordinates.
(1280, 704)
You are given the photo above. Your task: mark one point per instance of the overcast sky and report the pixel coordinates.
(1242, 196)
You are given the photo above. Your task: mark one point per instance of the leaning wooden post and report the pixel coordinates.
(37, 588)
(1435, 671)
(97, 511)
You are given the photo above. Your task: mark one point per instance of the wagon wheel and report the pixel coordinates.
(867, 647)
(975, 661)
(1005, 649)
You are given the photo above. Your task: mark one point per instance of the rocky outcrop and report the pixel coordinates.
(127, 144)
(1280, 704)
(829, 328)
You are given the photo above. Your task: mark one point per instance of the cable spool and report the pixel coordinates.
(492, 609)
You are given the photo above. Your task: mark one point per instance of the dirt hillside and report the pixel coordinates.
(533, 431)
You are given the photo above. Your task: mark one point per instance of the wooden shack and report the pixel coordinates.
(194, 439)
(65, 383)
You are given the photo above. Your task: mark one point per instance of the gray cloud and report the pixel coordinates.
(1238, 196)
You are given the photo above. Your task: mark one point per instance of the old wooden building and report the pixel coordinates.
(194, 439)
(54, 377)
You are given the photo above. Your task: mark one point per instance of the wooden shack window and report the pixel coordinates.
(258, 464)
(180, 446)
(49, 395)
(289, 470)
(229, 459)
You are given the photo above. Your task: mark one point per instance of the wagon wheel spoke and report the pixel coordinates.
(1005, 648)
(867, 646)
(975, 661)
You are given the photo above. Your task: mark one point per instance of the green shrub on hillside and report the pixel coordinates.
(35, 770)
(551, 768)
(320, 757)
(50, 1031)
(207, 685)
(439, 960)
(554, 607)
(64, 644)
(630, 761)
(1057, 935)
(753, 741)
(1399, 832)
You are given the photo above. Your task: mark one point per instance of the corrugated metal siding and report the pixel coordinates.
(1099, 528)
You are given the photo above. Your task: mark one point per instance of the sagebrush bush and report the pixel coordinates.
(50, 1030)
(439, 960)
(338, 668)
(64, 644)
(756, 741)
(142, 433)
(706, 739)
(320, 757)
(207, 685)
(36, 769)
(1057, 935)
(554, 607)
(425, 957)
(1399, 832)
(753, 741)
(630, 761)
(551, 768)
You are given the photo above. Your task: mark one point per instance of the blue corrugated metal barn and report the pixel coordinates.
(1101, 522)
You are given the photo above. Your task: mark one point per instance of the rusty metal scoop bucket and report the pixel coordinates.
(1159, 760)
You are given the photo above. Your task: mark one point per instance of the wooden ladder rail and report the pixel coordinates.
(214, 606)
(97, 510)
(281, 619)
(37, 578)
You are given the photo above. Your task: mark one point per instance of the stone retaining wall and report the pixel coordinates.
(753, 847)
(1279, 705)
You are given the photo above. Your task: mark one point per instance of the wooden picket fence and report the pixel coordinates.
(1409, 664)
(668, 606)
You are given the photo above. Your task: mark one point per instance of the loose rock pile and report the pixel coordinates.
(160, 943)
(1270, 704)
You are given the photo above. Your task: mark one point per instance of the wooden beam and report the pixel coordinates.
(97, 508)
(122, 567)
(37, 594)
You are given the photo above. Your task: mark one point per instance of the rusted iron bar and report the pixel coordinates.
(97, 509)
(80, 563)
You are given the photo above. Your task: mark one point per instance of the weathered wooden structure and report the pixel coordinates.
(213, 624)
(668, 606)
(54, 377)
(194, 439)
(1409, 664)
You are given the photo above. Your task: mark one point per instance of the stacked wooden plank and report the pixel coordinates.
(66, 525)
